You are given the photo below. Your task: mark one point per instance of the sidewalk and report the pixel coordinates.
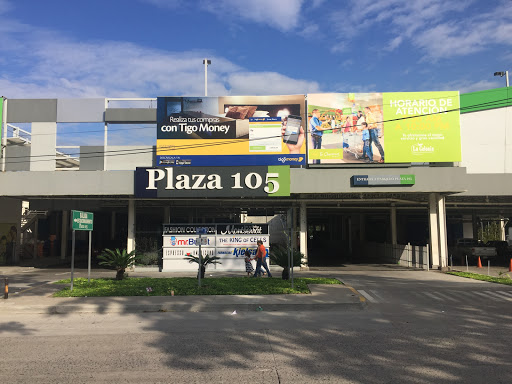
(37, 299)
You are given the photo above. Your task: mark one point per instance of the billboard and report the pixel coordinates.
(398, 127)
(228, 131)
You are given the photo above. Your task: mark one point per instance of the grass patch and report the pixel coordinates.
(186, 286)
(500, 280)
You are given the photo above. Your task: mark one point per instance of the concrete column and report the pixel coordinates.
(303, 235)
(434, 230)
(64, 235)
(502, 228)
(393, 224)
(443, 244)
(113, 226)
(130, 244)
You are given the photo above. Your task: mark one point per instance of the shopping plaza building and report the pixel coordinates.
(440, 169)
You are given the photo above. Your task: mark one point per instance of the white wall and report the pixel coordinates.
(486, 140)
(43, 148)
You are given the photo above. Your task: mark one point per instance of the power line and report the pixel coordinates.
(124, 152)
(495, 103)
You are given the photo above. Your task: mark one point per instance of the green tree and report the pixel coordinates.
(279, 255)
(119, 260)
(490, 231)
(205, 261)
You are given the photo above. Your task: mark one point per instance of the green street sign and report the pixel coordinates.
(82, 221)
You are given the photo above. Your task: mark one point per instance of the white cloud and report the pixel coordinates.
(466, 86)
(310, 31)
(438, 28)
(53, 66)
(281, 14)
(262, 83)
(166, 4)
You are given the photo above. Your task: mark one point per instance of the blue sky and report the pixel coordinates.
(150, 48)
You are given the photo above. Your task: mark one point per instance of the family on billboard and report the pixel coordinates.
(345, 128)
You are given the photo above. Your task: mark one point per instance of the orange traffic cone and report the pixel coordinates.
(510, 267)
(479, 265)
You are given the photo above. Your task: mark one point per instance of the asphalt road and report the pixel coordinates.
(418, 327)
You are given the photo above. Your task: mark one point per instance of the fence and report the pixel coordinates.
(413, 256)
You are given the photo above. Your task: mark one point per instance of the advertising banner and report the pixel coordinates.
(230, 130)
(400, 127)
(227, 241)
(212, 182)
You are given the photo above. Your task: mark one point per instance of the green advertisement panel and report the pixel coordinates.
(402, 127)
(422, 127)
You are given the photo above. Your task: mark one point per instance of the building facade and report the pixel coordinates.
(334, 212)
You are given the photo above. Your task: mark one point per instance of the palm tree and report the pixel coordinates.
(279, 255)
(205, 261)
(120, 260)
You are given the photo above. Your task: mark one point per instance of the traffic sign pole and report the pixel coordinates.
(89, 258)
(72, 258)
(200, 261)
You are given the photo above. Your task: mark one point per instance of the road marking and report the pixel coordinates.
(499, 296)
(367, 296)
(382, 299)
(506, 293)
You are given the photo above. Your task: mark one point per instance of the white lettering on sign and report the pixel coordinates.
(213, 181)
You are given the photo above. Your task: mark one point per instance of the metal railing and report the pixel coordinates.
(412, 256)
(63, 161)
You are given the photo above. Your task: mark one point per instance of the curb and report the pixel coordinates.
(147, 308)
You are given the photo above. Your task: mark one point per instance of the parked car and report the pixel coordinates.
(502, 248)
(473, 249)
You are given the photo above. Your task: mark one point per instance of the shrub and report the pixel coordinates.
(205, 261)
(119, 260)
(279, 255)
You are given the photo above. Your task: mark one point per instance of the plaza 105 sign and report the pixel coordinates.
(212, 182)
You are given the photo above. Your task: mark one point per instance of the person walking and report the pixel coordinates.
(248, 263)
(260, 259)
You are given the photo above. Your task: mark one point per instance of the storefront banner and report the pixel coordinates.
(188, 241)
(212, 182)
(382, 180)
(383, 127)
(188, 230)
(229, 242)
(227, 131)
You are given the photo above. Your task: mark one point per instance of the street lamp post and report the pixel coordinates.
(501, 74)
(206, 62)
